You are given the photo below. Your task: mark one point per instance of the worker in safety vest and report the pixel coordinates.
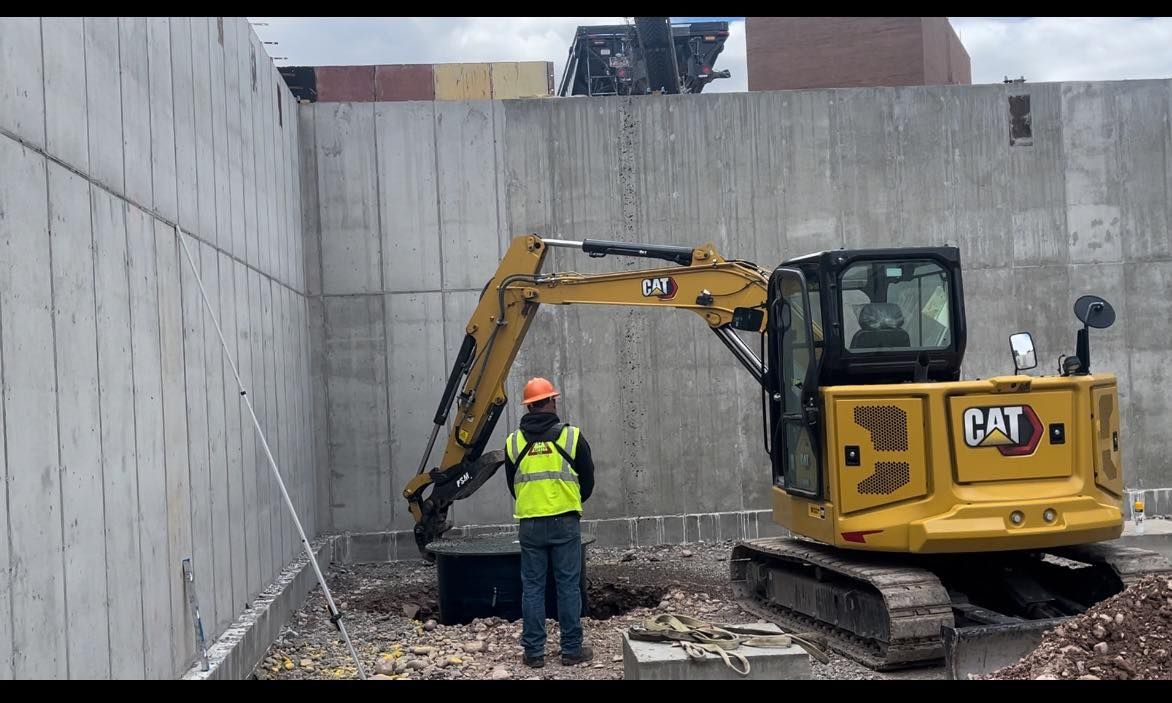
(550, 474)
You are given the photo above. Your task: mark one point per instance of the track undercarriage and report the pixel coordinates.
(975, 612)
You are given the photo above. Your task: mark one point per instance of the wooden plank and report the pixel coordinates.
(519, 79)
(462, 81)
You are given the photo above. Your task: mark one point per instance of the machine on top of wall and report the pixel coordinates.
(889, 470)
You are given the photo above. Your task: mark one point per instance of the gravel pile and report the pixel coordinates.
(391, 614)
(1127, 636)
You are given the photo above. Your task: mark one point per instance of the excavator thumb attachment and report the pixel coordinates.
(457, 483)
(983, 649)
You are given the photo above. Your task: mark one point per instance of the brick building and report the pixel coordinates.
(786, 53)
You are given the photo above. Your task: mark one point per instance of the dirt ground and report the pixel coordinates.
(389, 611)
(1127, 636)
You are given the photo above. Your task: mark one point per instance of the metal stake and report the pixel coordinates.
(335, 614)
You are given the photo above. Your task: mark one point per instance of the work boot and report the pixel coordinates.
(584, 654)
(533, 662)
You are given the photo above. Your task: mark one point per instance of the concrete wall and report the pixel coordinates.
(415, 203)
(125, 444)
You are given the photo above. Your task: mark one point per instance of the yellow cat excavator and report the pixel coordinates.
(890, 473)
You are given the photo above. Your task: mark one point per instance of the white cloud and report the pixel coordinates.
(1039, 48)
(1045, 49)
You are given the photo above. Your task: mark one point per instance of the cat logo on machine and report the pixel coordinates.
(1013, 429)
(663, 288)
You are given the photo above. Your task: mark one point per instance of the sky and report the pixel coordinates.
(1040, 49)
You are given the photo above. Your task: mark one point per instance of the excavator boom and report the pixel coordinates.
(727, 294)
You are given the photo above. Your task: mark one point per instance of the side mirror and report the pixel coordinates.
(1022, 345)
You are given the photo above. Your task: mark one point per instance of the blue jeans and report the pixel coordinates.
(551, 542)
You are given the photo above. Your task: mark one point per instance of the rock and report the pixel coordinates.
(686, 554)
(1081, 666)
(306, 662)
(654, 557)
(288, 665)
(416, 664)
(500, 674)
(1118, 618)
(679, 595)
(1101, 648)
(385, 665)
(627, 556)
(1070, 648)
(411, 610)
(474, 646)
(479, 627)
(401, 665)
(617, 658)
(424, 650)
(1046, 677)
(481, 636)
(382, 677)
(599, 666)
(1099, 631)
(429, 625)
(1088, 677)
(454, 661)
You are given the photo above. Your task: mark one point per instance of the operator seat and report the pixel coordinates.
(881, 326)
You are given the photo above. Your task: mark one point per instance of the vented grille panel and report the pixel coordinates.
(887, 425)
(889, 477)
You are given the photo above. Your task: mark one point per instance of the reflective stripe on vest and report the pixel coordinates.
(545, 483)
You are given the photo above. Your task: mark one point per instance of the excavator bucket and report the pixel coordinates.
(983, 649)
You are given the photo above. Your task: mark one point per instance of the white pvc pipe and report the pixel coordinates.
(336, 616)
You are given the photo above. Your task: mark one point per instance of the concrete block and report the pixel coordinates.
(156, 572)
(357, 415)
(368, 547)
(162, 117)
(658, 661)
(22, 87)
(119, 469)
(619, 532)
(66, 123)
(75, 333)
(175, 437)
(229, 393)
(249, 443)
(659, 530)
(184, 115)
(103, 104)
(29, 388)
(350, 246)
(204, 140)
(136, 109)
(467, 192)
(409, 210)
(233, 102)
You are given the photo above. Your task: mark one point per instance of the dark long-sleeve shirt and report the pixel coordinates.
(540, 426)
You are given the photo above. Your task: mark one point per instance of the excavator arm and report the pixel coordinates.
(727, 294)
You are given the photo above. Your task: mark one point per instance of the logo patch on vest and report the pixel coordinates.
(663, 288)
(541, 448)
(1014, 429)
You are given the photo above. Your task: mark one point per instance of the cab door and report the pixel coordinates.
(797, 466)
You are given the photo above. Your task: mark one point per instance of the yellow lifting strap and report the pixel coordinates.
(697, 638)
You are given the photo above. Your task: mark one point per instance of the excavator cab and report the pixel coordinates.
(853, 317)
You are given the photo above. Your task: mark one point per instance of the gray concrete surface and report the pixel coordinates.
(125, 446)
(675, 420)
(659, 661)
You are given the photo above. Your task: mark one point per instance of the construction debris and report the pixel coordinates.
(1127, 636)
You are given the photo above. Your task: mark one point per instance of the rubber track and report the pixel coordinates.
(917, 603)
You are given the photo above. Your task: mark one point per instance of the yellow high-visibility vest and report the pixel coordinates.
(546, 484)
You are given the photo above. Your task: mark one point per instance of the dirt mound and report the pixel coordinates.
(1127, 636)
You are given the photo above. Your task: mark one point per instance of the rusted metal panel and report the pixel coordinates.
(462, 81)
(404, 82)
(337, 84)
(521, 79)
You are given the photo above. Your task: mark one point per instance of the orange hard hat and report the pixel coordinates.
(538, 389)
